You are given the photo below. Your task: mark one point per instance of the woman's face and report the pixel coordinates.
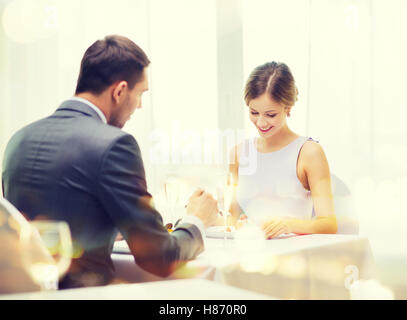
(268, 116)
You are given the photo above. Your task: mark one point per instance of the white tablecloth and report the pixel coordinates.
(300, 267)
(187, 289)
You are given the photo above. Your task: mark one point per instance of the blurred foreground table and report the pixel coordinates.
(315, 266)
(187, 289)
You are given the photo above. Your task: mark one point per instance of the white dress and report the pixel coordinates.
(271, 186)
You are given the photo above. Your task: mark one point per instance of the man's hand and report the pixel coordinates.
(202, 205)
(275, 226)
(243, 220)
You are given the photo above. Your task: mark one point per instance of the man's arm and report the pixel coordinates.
(123, 192)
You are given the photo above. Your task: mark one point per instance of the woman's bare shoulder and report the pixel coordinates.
(313, 158)
(312, 149)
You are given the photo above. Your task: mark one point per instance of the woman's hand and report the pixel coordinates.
(275, 226)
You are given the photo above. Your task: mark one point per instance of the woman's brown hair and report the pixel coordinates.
(276, 79)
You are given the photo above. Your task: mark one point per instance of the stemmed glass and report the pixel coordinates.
(225, 191)
(47, 247)
(172, 195)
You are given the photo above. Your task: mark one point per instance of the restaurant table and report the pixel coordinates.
(318, 266)
(186, 289)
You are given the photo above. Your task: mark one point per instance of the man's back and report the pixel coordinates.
(71, 166)
(51, 170)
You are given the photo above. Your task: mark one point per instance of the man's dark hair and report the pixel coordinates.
(115, 58)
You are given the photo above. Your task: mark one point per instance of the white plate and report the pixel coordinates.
(218, 232)
(121, 247)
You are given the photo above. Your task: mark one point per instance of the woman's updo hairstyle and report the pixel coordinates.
(276, 79)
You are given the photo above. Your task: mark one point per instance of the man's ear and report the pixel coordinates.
(119, 91)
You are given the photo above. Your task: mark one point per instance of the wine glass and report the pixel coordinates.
(225, 192)
(172, 196)
(47, 247)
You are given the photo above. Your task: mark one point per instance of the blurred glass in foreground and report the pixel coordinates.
(13, 275)
(46, 269)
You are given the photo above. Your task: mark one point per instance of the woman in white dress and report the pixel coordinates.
(283, 179)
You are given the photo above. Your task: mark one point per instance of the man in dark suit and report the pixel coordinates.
(78, 166)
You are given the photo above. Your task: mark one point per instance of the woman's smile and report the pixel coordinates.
(264, 130)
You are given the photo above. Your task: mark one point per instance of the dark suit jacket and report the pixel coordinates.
(73, 167)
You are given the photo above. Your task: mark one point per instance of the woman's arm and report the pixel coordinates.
(319, 181)
(315, 165)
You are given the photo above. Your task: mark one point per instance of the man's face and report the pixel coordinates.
(131, 102)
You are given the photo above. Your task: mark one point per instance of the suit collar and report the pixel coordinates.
(79, 106)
